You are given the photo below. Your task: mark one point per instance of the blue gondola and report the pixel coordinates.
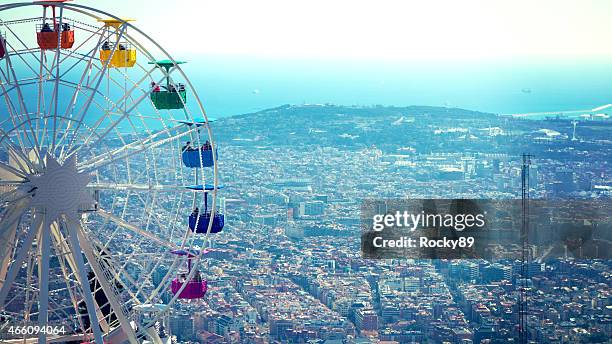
(191, 157)
(218, 221)
(199, 221)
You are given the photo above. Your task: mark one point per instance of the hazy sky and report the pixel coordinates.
(339, 29)
(483, 53)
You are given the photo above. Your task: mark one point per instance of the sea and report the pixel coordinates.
(237, 85)
(234, 85)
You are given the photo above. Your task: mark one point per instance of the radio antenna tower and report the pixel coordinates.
(525, 256)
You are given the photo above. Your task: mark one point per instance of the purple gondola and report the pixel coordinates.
(196, 287)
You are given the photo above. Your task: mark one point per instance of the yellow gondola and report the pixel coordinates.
(123, 54)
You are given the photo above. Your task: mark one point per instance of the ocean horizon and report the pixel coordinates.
(234, 85)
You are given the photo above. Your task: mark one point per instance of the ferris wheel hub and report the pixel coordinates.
(59, 189)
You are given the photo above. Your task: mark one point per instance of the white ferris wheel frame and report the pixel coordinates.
(66, 147)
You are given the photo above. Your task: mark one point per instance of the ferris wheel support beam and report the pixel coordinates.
(12, 196)
(108, 291)
(20, 257)
(63, 255)
(87, 292)
(8, 229)
(29, 297)
(116, 277)
(43, 281)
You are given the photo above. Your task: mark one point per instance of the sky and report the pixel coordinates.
(503, 56)
(378, 30)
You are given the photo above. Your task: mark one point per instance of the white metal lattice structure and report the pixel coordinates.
(93, 193)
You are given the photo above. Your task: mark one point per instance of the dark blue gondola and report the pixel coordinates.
(218, 221)
(199, 221)
(191, 157)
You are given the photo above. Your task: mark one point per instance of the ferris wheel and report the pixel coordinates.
(108, 178)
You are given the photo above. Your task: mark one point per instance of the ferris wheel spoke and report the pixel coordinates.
(148, 276)
(40, 102)
(31, 52)
(90, 304)
(73, 52)
(135, 85)
(77, 89)
(40, 62)
(109, 292)
(19, 258)
(77, 86)
(23, 108)
(131, 149)
(124, 113)
(98, 81)
(126, 225)
(12, 114)
(130, 257)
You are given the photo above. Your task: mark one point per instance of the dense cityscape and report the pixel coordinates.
(288, 266)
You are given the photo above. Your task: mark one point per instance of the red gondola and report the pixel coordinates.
(48, 35)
